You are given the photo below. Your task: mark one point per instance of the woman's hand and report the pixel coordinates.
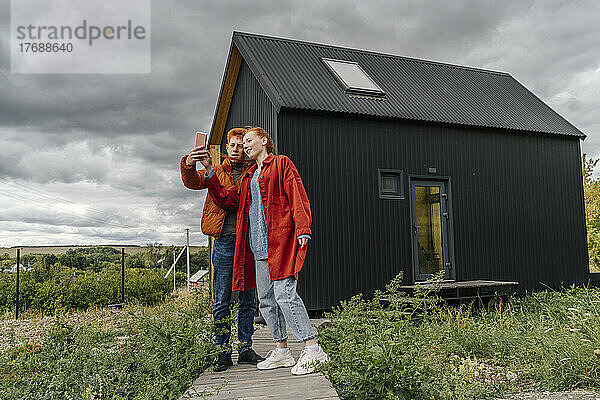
(303, 241)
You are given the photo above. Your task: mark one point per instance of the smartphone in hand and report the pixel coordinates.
(200, 139)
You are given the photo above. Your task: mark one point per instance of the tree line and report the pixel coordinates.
(85, 277)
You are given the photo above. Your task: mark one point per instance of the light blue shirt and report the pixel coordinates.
(257, 232)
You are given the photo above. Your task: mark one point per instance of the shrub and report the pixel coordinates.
(85, 277)
(392, 347)
(59, 289)
(151, 353)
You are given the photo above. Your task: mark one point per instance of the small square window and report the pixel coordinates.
(390, 184)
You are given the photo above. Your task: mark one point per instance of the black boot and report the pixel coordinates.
(223, 362)
(249, 357)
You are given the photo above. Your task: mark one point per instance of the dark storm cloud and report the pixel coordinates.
(127, 133)
(190, 43)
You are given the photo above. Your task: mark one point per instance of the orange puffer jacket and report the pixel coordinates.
(213, 216)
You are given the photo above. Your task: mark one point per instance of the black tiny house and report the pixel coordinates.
(412, 166)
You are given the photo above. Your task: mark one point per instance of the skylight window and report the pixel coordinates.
(353, 78)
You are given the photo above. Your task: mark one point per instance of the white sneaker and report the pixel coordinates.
(308, 361)
(275, 359)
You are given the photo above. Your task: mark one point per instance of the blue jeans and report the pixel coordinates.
(280, 305)
(222, 258)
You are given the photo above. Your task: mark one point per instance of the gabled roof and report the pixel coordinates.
(293, 75)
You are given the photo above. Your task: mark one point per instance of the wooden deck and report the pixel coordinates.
(464, 290)
(249, 383)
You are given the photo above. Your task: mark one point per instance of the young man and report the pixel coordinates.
(220, 224)
(274, 221)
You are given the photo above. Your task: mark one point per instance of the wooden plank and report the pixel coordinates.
(215, 153)
(248, 382)
(267, 384)
(464, 284)
(233, 68)
(264, 385)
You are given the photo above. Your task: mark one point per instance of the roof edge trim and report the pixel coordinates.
(377, 53)
(263, 80)
(230, 73)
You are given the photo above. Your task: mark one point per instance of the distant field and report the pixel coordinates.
(63, 249)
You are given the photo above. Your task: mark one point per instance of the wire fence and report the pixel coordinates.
(93, 277)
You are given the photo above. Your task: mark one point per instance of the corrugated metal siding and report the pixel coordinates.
(517, 197)
(294, 76)
(517, 202)
(250, 106)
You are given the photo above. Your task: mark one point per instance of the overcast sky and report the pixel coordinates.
(94, 158)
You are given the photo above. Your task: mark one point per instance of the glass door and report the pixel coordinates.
(430, 217)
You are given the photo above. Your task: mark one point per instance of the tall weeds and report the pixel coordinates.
(393, 347)
(148, 353)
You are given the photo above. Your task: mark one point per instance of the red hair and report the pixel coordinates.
(261, 133)
(237, 132)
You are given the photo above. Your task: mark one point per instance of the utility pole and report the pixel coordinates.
(18, 262)
(123, 276)
(174, 261)
(187, 233)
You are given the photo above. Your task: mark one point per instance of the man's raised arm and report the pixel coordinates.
(191, 178)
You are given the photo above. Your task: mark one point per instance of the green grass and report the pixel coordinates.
(428, 350)
(141, 353)
(404, 350)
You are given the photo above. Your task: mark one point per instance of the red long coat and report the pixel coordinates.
(287, 211)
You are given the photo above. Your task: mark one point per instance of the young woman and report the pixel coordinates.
(273, 230)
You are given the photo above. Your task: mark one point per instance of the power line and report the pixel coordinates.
(191, 231)
(105, 222)
(25, 200)
(55, 197)
(56, 208)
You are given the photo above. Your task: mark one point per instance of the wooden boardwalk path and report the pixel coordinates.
(249, 383)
